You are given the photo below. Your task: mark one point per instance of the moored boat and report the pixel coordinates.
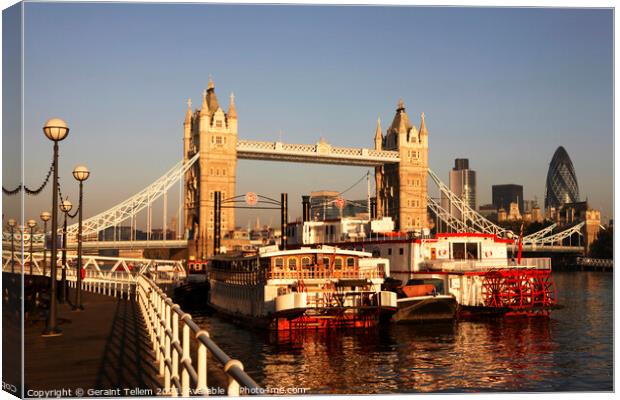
(473, 268)
(424, 300)
(306, 288)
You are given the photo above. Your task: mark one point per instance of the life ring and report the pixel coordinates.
(442, 252)
(488, 254)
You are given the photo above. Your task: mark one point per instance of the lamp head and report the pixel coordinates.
(65, 206)
(32, 223)
(81, 173)
(11, 222)
(56, 129)
(45, 216)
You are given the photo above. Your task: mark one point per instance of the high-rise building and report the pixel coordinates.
(462, 183)
(561, 187)
(323, 205)
(503, 195)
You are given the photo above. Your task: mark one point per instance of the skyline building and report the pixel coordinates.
(561, 186)
(503, 195)
(462, 182)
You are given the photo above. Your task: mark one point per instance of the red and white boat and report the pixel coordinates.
(474, 270)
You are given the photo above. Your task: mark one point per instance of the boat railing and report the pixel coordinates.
(476, 265)
(336, 298)
(532, 262)
(172, 332)
(325, 273)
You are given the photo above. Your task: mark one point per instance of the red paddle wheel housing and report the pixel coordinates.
(522, 290)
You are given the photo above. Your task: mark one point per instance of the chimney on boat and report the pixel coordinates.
(305, 203)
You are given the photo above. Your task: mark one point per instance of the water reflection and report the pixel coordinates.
(570, 351)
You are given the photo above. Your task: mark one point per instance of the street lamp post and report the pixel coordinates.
(55, 130)
(80, 173)
(45, 216)
(31, 224)
(12, 224)
(65, 207)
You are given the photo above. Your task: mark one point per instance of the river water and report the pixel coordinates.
(570, 351)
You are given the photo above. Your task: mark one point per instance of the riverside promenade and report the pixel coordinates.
(103, 351)
(131, 339)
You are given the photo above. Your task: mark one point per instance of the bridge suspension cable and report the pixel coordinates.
(453, 223)
(477, 221)
(136, 203)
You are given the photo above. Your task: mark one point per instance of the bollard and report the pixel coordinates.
(233, 385)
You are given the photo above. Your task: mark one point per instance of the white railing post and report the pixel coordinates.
(167, 357)
(162, 335)
(186, 357)
(157, 305)
(233, 385)
(201, 387)
(175, 343)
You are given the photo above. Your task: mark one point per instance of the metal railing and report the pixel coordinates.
(120, 285)
(169, 329)
(95, 265)
(595, 262)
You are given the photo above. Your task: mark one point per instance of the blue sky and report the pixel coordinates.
(502, 87)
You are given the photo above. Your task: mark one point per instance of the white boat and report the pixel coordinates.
(318, 288)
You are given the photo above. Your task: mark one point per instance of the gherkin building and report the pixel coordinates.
(561, 185)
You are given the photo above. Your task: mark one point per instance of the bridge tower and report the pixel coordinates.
(402, 187)
(213, 133)
(591, 228)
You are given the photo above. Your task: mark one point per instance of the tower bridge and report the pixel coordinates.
(400, 159)
(211, 148)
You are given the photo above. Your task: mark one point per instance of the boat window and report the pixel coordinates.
(279, 262)
(458, 251)
(472, 251)
(350, 262)
(338, 263)
(376, 253)
(326, 261)
(305, 261)
(292, 263)
(400, 251)
(389, 252)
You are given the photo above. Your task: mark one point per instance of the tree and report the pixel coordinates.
(603, 245)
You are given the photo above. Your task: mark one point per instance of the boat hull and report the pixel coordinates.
(426, 308)
(335, 318)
